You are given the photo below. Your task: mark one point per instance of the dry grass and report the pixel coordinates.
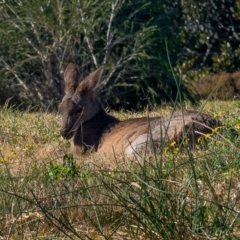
(177, 194)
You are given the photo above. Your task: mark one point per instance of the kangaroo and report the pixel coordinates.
(92, 129)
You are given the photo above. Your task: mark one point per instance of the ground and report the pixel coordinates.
(179, 193)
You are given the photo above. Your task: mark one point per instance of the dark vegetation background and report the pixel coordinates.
(148, 47)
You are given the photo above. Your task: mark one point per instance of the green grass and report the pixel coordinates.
(46, 193)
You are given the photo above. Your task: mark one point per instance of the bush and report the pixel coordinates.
(39, 38)
(221, 86)
(210, 37)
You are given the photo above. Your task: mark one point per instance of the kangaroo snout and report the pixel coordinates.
(66, 134)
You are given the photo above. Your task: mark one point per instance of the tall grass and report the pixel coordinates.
(179, 193)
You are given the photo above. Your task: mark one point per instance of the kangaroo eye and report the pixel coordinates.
(79, 109)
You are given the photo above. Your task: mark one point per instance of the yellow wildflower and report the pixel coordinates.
(186, 141)
(200, 139)
(218, 115)
(4, 160)
(216, 129)
(173, 144)
(208, 135)
(26, 147)
(175, 150)
(165, 150)
(171, 148)
(13, 153)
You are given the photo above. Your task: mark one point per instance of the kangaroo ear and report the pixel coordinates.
(91, 82)
(71, 78)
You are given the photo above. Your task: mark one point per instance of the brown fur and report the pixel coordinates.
(90, 128)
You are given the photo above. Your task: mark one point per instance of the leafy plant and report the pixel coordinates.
(39, 38)
(209, 33)
(66, 170)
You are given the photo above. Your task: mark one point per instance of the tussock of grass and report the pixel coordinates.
(179, 193)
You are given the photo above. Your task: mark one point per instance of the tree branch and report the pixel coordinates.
(109, 36)
(90, 47)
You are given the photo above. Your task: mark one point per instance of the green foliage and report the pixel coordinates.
(210, 37)
(66, 170)
(39, 38)
(136, 41)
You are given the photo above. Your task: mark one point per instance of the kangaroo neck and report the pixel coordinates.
(90, 134)
(100, 122)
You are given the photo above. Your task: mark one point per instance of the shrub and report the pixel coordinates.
(39, 38)
(221, 86)
(210, 37)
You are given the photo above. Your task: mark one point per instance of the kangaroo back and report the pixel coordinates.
(145, 134)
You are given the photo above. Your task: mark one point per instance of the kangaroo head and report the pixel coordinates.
(79, 103)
